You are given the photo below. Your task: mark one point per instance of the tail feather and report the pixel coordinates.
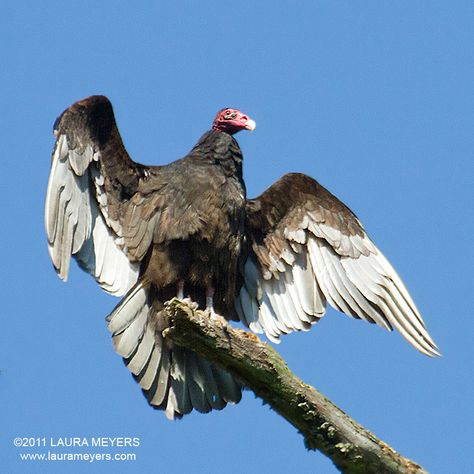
(228, 387)
(197, 384)
(172, 378)
(156, 394)
(146, 376)
(137, 361)
(178, 395)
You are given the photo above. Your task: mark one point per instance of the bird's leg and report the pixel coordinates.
(180, 295)
(210, 300)
(180, 290)
(210, 291)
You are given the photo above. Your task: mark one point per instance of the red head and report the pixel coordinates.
(232, 121)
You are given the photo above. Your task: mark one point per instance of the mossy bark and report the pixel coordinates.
(324, 426)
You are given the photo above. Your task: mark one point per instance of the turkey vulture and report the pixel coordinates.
(186, 229)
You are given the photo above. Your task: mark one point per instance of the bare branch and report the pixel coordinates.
(324, 426)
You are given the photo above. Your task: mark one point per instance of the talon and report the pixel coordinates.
(218, 318)
(192, 304)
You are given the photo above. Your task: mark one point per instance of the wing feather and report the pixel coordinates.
(78, 205)
(307, 248)
(295, 291)
(286, 308)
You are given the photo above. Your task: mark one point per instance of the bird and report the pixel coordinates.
(187, 230)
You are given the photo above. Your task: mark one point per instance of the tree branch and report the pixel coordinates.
(324, 426)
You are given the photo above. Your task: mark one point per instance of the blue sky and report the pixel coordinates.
(373, 99)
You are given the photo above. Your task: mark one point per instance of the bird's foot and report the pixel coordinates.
(215, 317)
(210, 307)
(180, 296)
(192, 304)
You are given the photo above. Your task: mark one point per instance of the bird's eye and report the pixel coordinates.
(229, 115)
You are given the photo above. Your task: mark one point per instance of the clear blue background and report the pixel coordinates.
(374, 99)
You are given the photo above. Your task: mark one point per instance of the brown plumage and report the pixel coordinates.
(187, 229)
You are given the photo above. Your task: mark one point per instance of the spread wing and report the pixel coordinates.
(92, 209)
(308, 248)
(105, 209)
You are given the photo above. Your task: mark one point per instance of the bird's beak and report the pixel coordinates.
(250, 125)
